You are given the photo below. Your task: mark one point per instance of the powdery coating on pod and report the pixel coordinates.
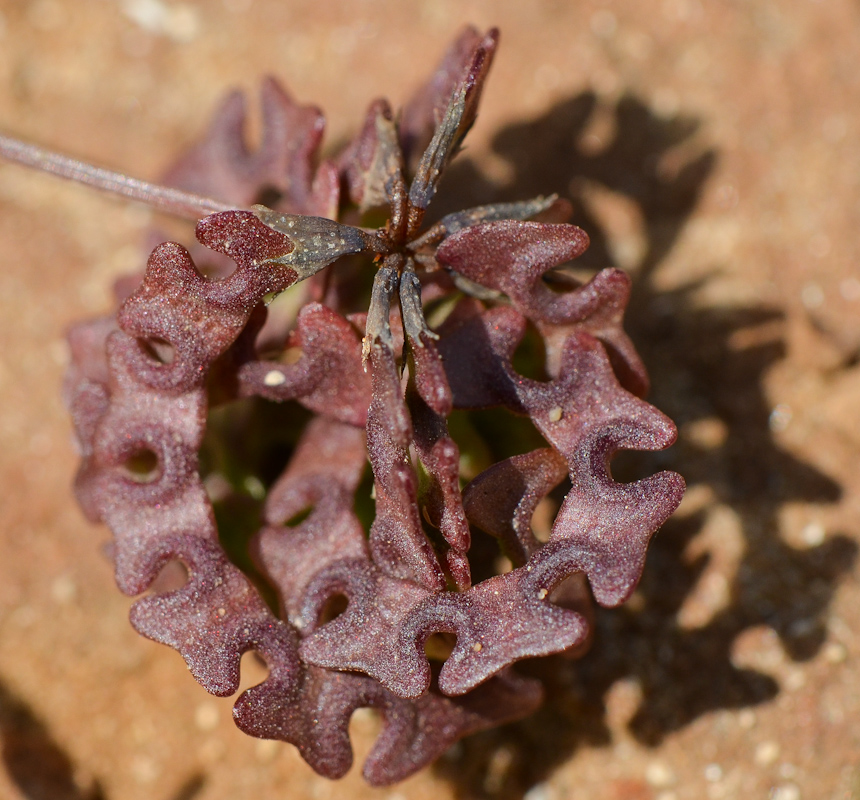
(362, 592)
(513, 256)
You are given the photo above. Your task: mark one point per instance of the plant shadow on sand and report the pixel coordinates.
(634, 196)
(37, 764)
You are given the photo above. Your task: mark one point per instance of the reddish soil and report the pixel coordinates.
(711, 148)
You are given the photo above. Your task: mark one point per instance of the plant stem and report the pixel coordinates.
(162, 198)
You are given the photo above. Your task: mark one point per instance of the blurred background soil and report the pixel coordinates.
(713, 150)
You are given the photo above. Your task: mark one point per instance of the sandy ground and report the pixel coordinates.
(711, 149)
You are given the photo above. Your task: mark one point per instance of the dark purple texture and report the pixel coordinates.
(364, 585)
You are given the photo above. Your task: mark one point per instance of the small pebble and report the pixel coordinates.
(206, 716)
(788, 791)
(746, 718)
(813, 534)
(64, 590)
(659, 775)
(835, 653)
(539, 792)
(265, 750)
(766, 753)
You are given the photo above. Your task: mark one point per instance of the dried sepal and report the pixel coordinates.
(415, 327)
(458, 220)
(317, 241)
(424, 111)
(454, 124)
(378, 321)
(372, 166)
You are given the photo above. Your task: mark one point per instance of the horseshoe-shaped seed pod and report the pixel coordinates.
(348, 591)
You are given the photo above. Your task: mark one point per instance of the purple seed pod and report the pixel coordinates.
(339, 424)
